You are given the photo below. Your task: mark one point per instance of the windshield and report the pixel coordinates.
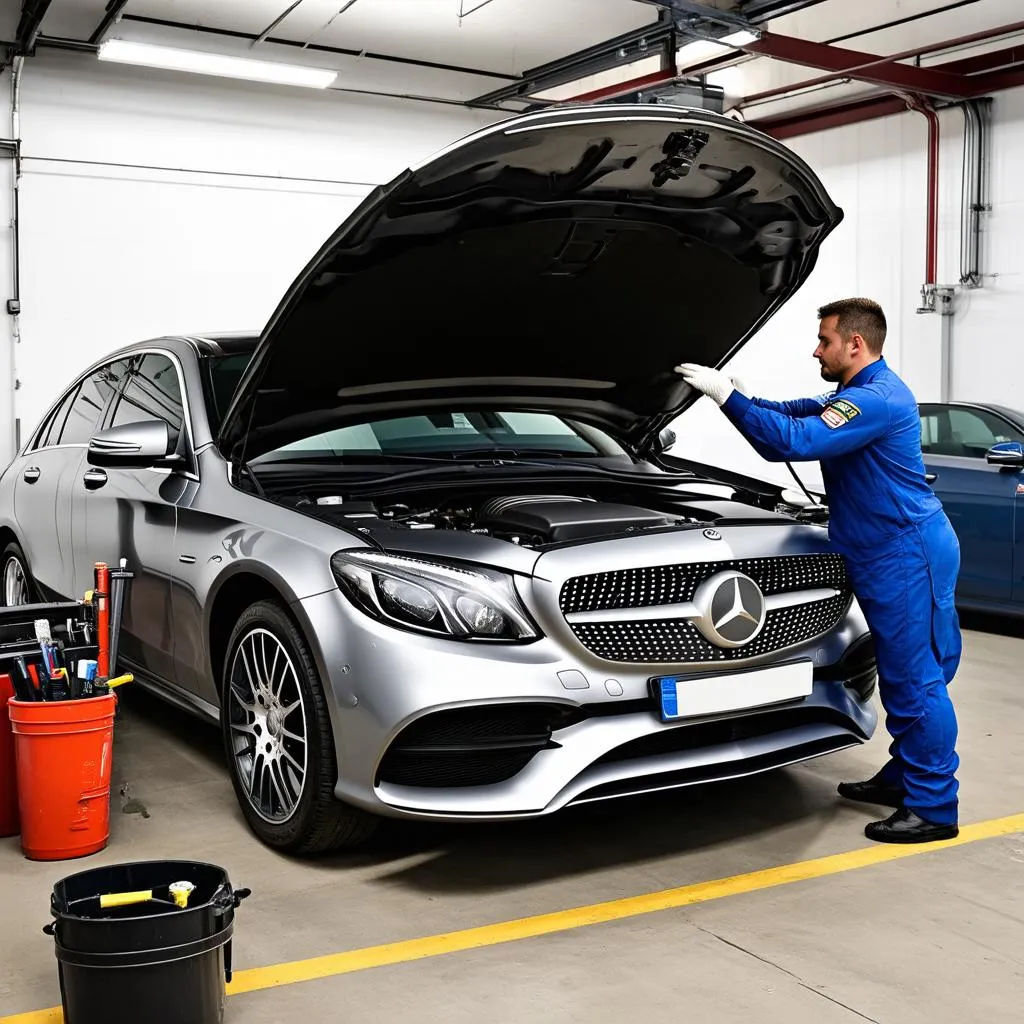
(446, 434)
(451, 434)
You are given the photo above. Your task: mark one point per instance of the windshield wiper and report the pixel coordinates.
(386, 482)
(516, 453)
(349, 458)
(487, 456)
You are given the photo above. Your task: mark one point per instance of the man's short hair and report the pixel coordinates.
(858, 316)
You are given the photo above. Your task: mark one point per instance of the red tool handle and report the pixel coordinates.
(103, 619)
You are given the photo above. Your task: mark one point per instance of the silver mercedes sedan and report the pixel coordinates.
(420, 546)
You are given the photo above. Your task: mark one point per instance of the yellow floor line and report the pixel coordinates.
(257, 978)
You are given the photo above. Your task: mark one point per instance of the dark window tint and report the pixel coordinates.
(152, 392)
(51, 432)
(96, 390)
(220, 379)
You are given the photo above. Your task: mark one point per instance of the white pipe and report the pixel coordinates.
(16, 72)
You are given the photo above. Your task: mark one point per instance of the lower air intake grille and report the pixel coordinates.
(677, 640)
(474, 746)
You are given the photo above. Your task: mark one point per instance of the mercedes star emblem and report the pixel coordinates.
(732, 609)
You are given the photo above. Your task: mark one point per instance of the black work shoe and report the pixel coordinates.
(872, 792)
(906, 827)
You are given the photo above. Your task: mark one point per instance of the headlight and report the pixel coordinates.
(431, 597)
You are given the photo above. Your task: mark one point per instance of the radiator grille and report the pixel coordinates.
(679, 640)
(673, 584)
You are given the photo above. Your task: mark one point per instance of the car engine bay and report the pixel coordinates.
(537, 518)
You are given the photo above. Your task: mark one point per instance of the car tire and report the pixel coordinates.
(284, 782)
(14, 564)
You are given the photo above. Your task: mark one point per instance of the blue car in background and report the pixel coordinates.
(974, 456)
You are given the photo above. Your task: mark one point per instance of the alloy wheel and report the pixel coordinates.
(267, 721)
(15, 583)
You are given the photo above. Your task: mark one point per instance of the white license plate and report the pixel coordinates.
(683, 697)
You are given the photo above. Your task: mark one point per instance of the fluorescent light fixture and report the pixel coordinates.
(701, 50)
(124, 52)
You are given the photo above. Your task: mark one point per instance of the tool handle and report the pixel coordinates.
(124, 899)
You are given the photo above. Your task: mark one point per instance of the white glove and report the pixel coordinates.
(740, 386)
(713, 383)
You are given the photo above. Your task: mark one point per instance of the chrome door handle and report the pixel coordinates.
(930, 478)
(31, 475)
(94, 479)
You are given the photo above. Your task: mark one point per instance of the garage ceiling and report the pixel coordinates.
(517, 54)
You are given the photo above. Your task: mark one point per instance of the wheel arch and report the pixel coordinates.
(235, 591)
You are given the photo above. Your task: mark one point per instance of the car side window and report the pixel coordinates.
(86, 410)
(934, 426)
(152, 392)
(51, 432)
(975, 431)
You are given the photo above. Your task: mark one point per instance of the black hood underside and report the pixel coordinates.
(560, 262)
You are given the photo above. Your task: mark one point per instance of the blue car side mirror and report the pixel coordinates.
(1006, 453)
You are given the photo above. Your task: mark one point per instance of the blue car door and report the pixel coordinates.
(980, 499)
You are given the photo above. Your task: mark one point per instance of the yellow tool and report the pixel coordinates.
(120, 680)
(124, 899)
(180, 892)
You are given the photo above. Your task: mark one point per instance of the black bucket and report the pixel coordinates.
(150, 959)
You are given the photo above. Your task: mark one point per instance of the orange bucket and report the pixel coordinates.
(64, 751)
(8, 777)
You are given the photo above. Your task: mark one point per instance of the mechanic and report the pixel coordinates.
(899, 548)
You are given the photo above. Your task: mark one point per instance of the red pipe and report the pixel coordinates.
(917, 51)
(835, 115)
(922, 106)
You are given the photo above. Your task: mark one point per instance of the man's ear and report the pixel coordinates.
(857, 344)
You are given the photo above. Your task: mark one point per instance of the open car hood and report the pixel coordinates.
(561, 261)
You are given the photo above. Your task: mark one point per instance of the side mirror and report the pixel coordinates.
(666, 439)
(1006, 453)
(133, 446)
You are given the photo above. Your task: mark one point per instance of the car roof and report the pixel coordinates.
(1015, 415)
(223, 343)
(207, 343)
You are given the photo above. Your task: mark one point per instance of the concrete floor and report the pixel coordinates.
(936, 937)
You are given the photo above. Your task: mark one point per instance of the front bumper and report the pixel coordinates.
(414, 709)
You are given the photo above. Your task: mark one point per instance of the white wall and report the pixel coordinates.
(876, 172)
(155, 204)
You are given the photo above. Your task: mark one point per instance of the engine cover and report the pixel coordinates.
(555, 518)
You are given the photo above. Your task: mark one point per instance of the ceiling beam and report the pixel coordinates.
(996, 81)
(691, 11)
(277, 21)
(919, 51)
(624, 49)
(623, 88)
(997, 60)
(679, 18)
(110, 18)
(860, 66)
(32, 14)
(819, 119)
(760, 11)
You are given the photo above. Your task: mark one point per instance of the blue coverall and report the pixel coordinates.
(901, 554)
